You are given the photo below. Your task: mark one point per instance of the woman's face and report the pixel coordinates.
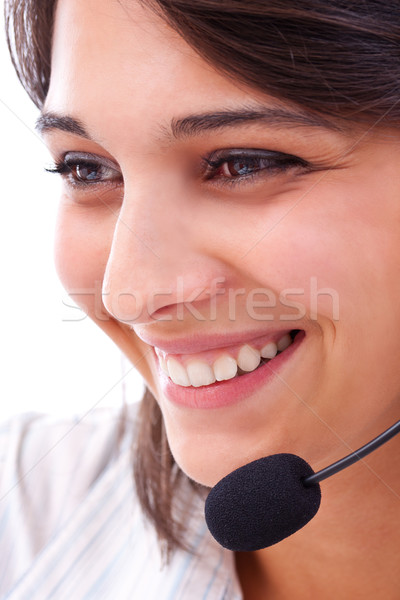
(202, 223)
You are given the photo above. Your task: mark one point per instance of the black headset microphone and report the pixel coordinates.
(271, 498)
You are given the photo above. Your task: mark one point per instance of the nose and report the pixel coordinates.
(160, 263)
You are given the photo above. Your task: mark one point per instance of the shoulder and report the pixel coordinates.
(70, 519)
(35, 446)
(49, 465)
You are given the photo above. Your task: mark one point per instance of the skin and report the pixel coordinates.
(336, 223)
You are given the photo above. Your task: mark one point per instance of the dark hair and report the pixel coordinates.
(337, 58)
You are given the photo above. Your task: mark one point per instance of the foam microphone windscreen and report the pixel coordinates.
(262, 503)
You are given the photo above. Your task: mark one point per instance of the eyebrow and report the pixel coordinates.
(48, 121)
(197, 124)
(274, 117)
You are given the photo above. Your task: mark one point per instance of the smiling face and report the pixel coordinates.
(223, 226)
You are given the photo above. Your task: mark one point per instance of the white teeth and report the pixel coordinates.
(269, 350)
(177, 372)
(248, 358)
(163, 365)
(225, 367)
(284, 342)
(200, 373)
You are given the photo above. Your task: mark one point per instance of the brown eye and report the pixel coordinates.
(235, 165)
(241, 168)
(87, 172)
(81, 169)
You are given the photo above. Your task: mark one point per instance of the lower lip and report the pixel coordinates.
(226, 393)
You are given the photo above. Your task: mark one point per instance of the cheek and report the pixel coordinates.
(339, 242)
(82, 246)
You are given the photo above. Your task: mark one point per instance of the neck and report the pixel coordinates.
(350, 549)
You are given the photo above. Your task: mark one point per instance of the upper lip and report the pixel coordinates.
(196, 343)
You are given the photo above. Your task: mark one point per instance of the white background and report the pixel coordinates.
(53, 359)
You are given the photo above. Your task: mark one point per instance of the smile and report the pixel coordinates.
(223, 364)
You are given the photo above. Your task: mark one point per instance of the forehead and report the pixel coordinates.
(129, 79)
(114, 62)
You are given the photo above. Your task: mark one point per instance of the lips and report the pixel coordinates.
(224, 392)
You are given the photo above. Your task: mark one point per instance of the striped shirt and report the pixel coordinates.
(71, 527)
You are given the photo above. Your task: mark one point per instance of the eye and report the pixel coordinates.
(241, 167)
(233, 165)
(82, 169)
(90, 172)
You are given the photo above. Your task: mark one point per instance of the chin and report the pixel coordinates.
(205, 472)
(206, 459)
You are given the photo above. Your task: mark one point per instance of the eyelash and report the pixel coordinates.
(274, 163)
(216, 167)
(68, 168)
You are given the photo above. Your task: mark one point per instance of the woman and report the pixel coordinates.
(231, 211)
